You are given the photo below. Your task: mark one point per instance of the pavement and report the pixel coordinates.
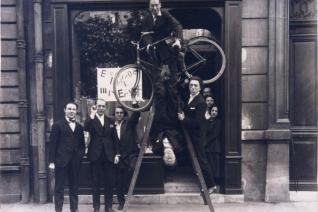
(300, 202)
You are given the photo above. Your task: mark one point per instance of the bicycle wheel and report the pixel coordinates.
(133, 77)
(204, 58)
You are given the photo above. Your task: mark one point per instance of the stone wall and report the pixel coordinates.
(254, 96)
(10, 149)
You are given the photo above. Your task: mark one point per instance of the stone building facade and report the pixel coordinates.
(269, 92)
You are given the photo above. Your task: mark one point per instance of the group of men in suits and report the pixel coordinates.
(113, 149)
(112, 153)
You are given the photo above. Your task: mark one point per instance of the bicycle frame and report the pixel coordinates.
(139, 61)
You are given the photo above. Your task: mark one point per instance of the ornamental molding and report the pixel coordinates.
(303, 9)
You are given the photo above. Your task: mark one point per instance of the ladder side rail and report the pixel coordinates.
(198, 170)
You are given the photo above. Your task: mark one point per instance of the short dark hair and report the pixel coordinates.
(197, 79)
(70, 102)
(123, 109)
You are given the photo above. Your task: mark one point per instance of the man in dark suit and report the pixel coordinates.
(101, 154)
(165, 123)
(67, 147)
(163, 24)
(126, 140)
(193, 118)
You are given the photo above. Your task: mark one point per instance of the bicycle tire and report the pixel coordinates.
(139, 69)
(196, 40)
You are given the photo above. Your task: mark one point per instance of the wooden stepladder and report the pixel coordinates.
(195, 162)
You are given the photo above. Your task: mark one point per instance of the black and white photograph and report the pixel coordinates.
(158, 106)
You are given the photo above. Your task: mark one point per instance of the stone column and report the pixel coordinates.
(278, 133)
(40, 118)
(23, 105)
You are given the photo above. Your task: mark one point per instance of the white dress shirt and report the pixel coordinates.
(101, 119)
(118, 127)
(72, 124)
(192, 97)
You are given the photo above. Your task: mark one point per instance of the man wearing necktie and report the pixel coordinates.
(126, 141)
(163, 24)
(101, 154)
(193, 119)
(164, 131)
(67, 148)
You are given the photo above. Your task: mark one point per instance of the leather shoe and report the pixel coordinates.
(212, 189)
(109, 210)
(120, 207)
(96, 209)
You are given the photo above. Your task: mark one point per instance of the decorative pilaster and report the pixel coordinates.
(278, 133)
(39, 87)
(23, 105)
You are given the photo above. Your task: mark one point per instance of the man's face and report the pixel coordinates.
(194, 87)
(214, 112)
(101, 107)
(119, 114)
(209, 101)
(155, 7)
(70, 111)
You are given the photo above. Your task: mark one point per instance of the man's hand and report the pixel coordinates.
(177, 44)
(133, 95)
(93, 112)
(116, 159)
(207, 115)
(52, 166)
(181, 116)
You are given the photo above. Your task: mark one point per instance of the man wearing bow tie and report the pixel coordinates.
(193, 118)
(67, 148)
(101, 154)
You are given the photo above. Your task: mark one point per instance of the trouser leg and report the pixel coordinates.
(109, 182)
(73, 180)
(96, 172)
(206, 169)
(60, 173)
(120, 184)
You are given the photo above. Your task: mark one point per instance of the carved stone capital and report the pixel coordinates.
(23, 103)
(25, 161)
(42, 174)
(37, 1)
(303, 9)
(40, 117)
(38, 58)
(21, 44)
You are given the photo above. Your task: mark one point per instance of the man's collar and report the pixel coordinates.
(119, 123)
(70, 120)
(155, 16)
(100, 116)
(194, 95)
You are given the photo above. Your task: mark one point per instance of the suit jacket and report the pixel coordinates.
(127, 144)
(65, 144)
(195, 119)
(101, 138)
(162, 27)
(213, 135)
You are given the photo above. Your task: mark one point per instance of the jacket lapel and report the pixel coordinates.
(123, 129)
(68, 126)
(98, 125)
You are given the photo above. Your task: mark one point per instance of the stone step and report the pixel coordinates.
(181, 187)
(169, 198)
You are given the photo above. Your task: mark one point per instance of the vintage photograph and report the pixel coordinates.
(158, 105)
